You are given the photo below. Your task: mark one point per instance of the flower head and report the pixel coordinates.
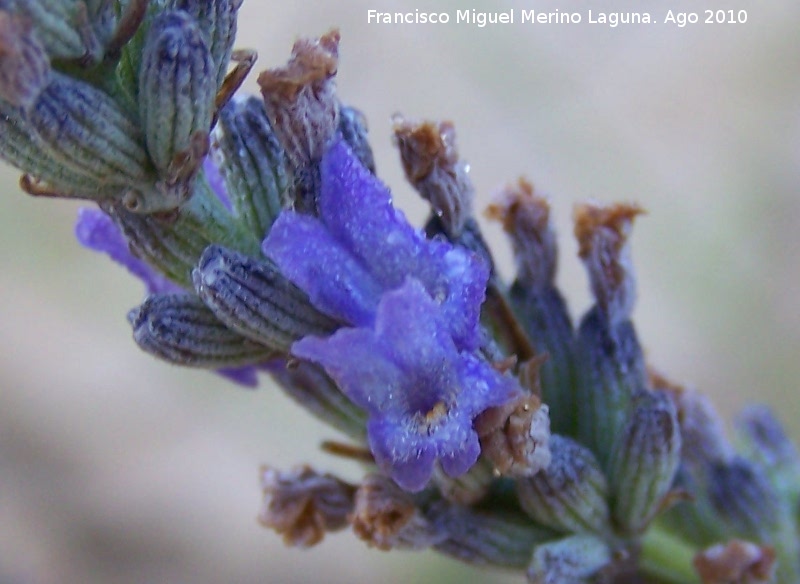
(360, 246)
(409, 357)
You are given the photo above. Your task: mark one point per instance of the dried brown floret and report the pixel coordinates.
(303, 505)
(386, 517)
(737, 562)
(431, 163)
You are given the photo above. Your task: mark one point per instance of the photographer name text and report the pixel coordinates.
(481, 19)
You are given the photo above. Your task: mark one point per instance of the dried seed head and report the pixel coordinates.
(24, 64)
(386, 517)
(304, 505)
(431, 163)
(570, 495)
(526, 218)
(539, 306)
(609, 362)
(602, 234)
(515, 437)
(303, 109)
(736, 561)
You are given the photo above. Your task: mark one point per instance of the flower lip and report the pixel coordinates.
(420, 391)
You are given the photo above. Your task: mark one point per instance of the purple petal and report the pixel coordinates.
(333, 279)
(407, 365)
(456, 462)
(484, 386)
(409, 463)
(415, 338)
(357, 210)
(95, 230)
(421, 393)
(245, 376)
(457, 279)
(355, 360)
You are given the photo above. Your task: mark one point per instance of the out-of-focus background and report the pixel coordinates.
(117, 468)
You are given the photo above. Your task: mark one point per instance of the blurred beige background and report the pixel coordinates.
(117, 468)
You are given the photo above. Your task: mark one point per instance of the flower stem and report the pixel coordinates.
(667, 557)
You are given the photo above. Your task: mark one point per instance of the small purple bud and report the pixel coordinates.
(217, 20)
(572, 560)
(253, 298)
(254, 165)
(766, 443)
(176, 100)
(610, 370)
(180, 329)
(570, 495)
(86, 130)
(486, 538)
(644, 461)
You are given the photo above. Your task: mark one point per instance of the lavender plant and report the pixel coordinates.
(490, 428)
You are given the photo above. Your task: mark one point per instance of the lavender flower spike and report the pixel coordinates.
(411, 358)
(420, 392)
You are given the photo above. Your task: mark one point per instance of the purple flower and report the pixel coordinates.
(360, 246)
(410, 359)
(421, 393)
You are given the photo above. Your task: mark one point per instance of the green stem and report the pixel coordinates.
(667, 557)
